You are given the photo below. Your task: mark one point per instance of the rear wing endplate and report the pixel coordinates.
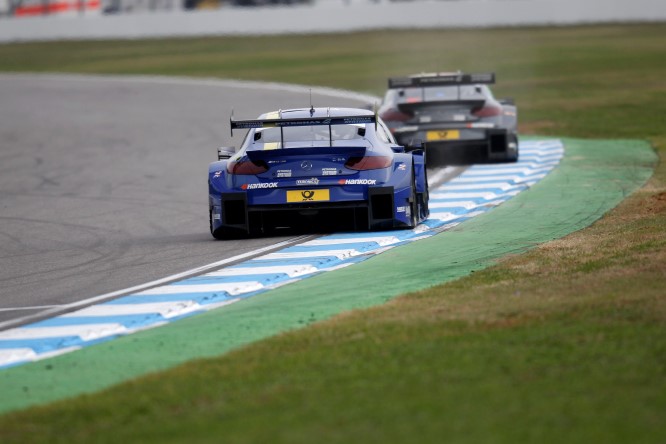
(441, 80)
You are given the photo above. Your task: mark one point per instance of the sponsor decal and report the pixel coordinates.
(401, 209)
(357, 181)
(358, 120)
(283, 173)
(308, 195)
(329, 171)
(312, 181)
(402, 166)
(276, 161)
(217, 174)
(259, 186)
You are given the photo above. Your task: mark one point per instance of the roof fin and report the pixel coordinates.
(312, 110)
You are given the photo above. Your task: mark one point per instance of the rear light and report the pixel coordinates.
(369, 162)
(394, 115)
(247, 167)
(488, 111)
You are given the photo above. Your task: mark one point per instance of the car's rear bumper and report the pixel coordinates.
(235, 212)
(472, 146)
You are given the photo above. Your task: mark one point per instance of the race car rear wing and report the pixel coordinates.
(441, 80)
(308, 121)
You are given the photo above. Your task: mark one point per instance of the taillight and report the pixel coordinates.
(488, 111)
(369, 162)
(247, 167)
(394, 115)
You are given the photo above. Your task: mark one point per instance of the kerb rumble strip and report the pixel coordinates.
(476, 191)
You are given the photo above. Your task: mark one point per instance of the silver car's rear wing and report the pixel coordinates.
(441, 79)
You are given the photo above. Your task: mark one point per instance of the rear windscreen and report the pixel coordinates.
(310, 133)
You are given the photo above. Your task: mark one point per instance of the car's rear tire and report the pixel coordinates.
(217, 234)
(423, 198)
(414, 206)
(513, 138)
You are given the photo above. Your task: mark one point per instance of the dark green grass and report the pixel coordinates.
(566, 343)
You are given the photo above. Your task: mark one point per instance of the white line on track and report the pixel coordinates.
(36, 307)
(194, 271)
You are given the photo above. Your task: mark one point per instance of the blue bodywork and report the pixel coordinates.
(307, 168)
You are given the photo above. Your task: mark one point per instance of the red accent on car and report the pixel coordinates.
(369, 162)
(488, 111)
(247, 167)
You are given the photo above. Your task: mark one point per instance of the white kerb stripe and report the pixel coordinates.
(15, 355)
(231, 288)
(479, 186)
(291, 271)
(340, 254)
(165, 309)
(466, 204)
(456, 195)
(86, 332)
(380, 240)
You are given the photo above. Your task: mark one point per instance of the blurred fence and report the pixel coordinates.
(35, 20)
(32, 8)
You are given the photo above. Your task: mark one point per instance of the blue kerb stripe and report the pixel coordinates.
(42, 345)
(317, 262)
(497, 191)
(433, 224)
(128, 321)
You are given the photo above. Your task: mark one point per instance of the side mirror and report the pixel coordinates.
(225, 152)
(398, 148)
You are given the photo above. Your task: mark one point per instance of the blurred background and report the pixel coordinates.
(34, 20)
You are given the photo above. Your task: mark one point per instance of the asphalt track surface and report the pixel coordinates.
(103, 181)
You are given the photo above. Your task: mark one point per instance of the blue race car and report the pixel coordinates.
(320, 169)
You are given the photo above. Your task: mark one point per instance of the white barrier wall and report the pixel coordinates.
(334, 16)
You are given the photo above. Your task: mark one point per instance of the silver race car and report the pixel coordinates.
(454, 115)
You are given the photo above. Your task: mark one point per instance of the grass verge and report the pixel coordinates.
(563, 344)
